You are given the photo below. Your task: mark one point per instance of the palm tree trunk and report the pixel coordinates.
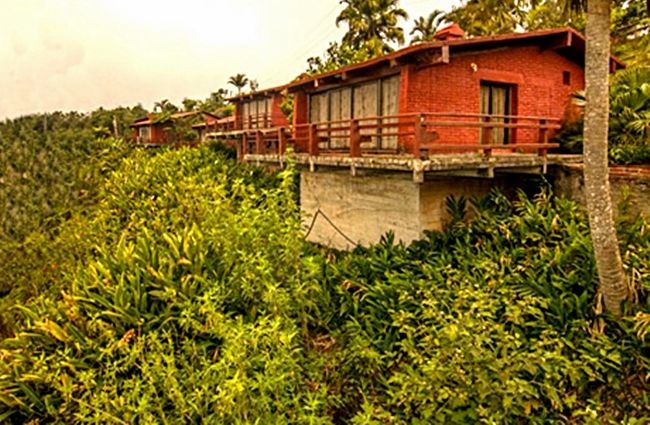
(599, 202)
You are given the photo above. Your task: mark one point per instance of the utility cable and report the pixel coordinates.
(334, 226)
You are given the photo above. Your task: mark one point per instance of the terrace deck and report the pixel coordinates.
(465, 165)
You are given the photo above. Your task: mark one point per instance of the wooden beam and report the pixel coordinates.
(559, 43)
(355, 139)
(435, 58)
(473, 173)
(445, 54)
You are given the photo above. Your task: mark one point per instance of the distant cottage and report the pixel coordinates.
(183, 128)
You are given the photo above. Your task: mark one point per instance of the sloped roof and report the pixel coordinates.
(214, 121)
(151, 119)
(258, 94)
(574, 39)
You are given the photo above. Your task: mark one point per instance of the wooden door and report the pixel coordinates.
(496, 103)
(366, 104)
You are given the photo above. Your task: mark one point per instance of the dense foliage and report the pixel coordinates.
(48, 163)
(629, 124)
(373, 29)
(196, 301)
(491, 322)
(50, 167)
(630, 21)
(186, 309)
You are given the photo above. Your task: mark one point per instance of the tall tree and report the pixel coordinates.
(613, 282)
(190, 105)
(372, 24)
(426, 27)
(165, 106)
(239, 81)
(612, 278)
(486, 17)
(337, 56)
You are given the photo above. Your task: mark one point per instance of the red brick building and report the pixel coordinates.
(502, 89)
(382, 145)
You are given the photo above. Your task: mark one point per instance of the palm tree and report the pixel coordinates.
(488, 17)
(372, 24)
(254, 85)
(613, 282)
(165, 106)
(239, 81)
(426, 27)
(190, 105)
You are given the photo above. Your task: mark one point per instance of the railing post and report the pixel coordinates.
(244, 144)
(487, 152)
(282, 141)
(543, 132)
(259, 141)
(355, 139)
(250, 122)
(486, 133)
(543, 139)
(240, 151)
(420, 132)
(313, 140)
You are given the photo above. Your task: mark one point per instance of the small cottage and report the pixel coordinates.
(181, 128)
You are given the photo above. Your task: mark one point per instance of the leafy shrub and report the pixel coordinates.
(629, 124)
(630, 154)
(50, 167)
(489, 322)
(188, 309)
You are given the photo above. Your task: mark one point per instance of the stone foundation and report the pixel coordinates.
(343, 211)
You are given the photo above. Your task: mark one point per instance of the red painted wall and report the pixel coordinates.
(278, 119)
(536, 75)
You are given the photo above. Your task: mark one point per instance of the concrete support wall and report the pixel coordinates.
(364, 208)
(434, 195)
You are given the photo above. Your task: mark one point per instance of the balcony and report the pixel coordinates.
(422, 143)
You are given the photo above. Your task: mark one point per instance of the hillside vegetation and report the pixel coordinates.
(51, 167)
(184, 293)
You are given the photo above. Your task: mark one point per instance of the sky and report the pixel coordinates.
(82, 54)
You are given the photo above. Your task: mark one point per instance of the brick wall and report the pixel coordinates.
(536, 76)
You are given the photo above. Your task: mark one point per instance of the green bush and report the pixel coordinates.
(187, 311)
(629, 123)
(491, 322)
(51, 167)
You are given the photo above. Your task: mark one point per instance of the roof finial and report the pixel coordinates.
(450, 32)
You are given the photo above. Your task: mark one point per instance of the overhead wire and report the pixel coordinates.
(308, 46)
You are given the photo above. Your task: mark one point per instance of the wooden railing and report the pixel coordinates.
(419, 135)
(259, 121)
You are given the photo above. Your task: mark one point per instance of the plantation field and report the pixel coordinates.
(178, 289)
